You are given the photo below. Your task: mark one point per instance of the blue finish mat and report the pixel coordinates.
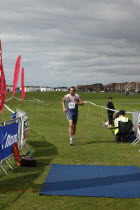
(93, 181)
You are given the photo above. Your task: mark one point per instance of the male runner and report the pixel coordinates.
(73, 100)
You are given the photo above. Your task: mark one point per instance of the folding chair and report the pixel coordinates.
(124, 130)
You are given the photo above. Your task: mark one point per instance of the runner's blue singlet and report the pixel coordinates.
(72, 108)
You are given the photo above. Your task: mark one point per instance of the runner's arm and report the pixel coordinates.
(80, 101)
(63, 104)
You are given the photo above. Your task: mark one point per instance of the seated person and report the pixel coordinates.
(125, 130)
(121, 118)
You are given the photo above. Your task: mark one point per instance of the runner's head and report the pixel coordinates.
(72, 90)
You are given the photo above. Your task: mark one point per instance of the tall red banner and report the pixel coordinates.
(2, 82)
(16, 75)
(22, 85)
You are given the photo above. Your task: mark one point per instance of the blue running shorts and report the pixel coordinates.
(72, 116)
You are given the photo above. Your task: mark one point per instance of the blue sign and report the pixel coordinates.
(8, 136)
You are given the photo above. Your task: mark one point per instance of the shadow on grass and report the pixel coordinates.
(94, 142)
(22, 178)
(100, 142)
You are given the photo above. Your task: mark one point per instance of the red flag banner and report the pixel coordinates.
(22, 85)
(16, 75)
(2, 82)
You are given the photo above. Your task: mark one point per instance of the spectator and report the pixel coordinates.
(110, 121)
(110, 112)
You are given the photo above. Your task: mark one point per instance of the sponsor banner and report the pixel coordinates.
(8, 136)
(16, 75)
(2, 82)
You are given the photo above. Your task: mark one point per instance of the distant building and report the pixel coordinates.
(32, 88)
(91, 88)
(109, 87)
(132, 87)
(9, 88)
(98, 87)
(120, 86)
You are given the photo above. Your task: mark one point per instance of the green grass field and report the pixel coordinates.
(49, 140)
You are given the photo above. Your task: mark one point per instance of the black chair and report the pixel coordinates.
(124, 130)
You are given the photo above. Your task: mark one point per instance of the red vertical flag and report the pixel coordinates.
(22, 85)
(2, 82)
(16, 75)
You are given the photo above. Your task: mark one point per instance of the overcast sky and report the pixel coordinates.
(71, 42)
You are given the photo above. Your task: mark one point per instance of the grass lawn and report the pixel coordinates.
(49, 140)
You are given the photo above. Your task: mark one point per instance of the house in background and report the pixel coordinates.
(98, 87)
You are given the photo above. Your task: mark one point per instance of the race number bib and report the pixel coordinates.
(71, 105)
